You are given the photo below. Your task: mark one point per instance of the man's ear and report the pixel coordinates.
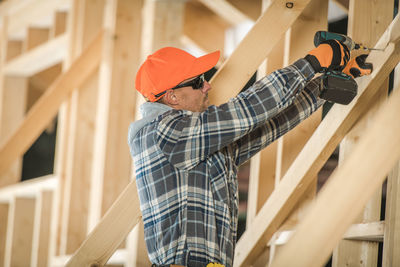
(170, 98)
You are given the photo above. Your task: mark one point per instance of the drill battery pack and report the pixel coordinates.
(338, 87)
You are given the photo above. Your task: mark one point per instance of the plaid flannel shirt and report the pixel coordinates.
(186, 164)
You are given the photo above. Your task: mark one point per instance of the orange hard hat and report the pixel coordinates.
(169, 66)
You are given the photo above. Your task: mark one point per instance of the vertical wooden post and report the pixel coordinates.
(367, 21)
(13, 92)
(162, 26)
(391, 238)
(20, 232)
(86, 21)
(4, 207)
(35, 37)
(41, 234)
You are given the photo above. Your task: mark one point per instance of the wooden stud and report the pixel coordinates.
(310, 160)
(86, 21)
(36, 37)
(258, 43)
(4, 207)
(13, 95)
(391, 243)
(20, 232)
(111, 168)
(251, 8)
(14, 49)
(327, 221)
(367, 21)
(41, 237)
(116, 224)
(46, 108)
(198, 20)
(38, 59)
(226, 10)
(59, 24)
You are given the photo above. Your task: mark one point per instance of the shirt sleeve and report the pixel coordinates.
(186, 138)
(302, 107)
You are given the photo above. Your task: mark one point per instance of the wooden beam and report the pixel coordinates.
(226, 10)
(111, 168)
(367, 21)
(47, 106)
(41, 238)
(33, 13)
(391, 243)
(14, 49)
(311, 159)
(20, 232)
(13, 95)
(38, 59)
(372, 232)
(36, 36)
(59, 24)
(105, 238)
(251, 8)
(197, 20)
(86, 20)
(258, 43)
(4, 207)
(29, 188)
(327, 221)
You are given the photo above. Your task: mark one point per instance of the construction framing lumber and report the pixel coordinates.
(39, 58)
(315, 153)
(30, 13)
(254, 48)
(47, 106)
(4, 207)
(105, 238)
(226, 10)
(391, 243)
(375, 154)
(368, 19)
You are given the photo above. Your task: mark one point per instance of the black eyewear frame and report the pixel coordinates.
(196, 84)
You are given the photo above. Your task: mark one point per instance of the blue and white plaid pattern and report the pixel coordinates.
(186, 165)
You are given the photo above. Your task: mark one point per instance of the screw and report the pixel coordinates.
(289, 4)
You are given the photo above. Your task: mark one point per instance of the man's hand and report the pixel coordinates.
(358, 67)
(330, 54)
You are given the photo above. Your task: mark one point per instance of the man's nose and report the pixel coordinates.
(206, 87)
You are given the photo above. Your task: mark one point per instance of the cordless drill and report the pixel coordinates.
(337, 86)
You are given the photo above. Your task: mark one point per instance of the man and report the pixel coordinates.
(187, 153)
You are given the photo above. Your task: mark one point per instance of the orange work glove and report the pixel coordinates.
(358, 67)
(330, 54)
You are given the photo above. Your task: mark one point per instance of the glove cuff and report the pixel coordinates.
(314, 63)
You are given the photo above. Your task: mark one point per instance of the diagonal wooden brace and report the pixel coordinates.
(315, 153)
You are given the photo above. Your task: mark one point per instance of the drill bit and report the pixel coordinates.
(359, 46)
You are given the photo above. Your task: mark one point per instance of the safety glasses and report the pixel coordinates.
(197, 83)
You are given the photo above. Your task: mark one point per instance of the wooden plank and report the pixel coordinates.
(28, 188)
(14, 49)
(251, 8)
(198, 20)
(86, 20)
(116, 224)
(35, 37)
(47, 106)
(391, 243)
(41, 234)
(226, 10)
(4, 207)
(311, 159)
(327, 221)
(372, 231)
(19, 235)
(38, 59)
(59, 24)
(258, 43)
(111, 169)
(13, 97)
(367, 21)
(33, 13)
